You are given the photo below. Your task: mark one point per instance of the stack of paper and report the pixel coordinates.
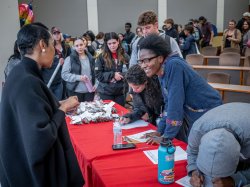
(137, 138)
(138, 123)
(179, 154)
(184, 181)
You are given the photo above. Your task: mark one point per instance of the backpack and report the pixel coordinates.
(214, 30)
(197, 34)
(98, 45)
(99, 49)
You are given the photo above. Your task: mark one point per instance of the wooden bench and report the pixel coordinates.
(231, 88)
(241, 69)
(242, 59)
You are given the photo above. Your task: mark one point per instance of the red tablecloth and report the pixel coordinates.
(131, 169)
(93, 144)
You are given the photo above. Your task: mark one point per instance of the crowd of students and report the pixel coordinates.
(150, 65)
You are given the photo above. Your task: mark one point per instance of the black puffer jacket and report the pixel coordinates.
(105, 74)
(77, 69)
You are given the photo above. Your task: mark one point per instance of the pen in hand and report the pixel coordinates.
(124, 120)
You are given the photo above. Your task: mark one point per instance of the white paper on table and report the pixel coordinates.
(184, 181)
(179, 154)
(138, 123)
(137, 137)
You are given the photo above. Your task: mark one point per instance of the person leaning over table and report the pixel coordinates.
(35, 147)
(187, 96)
(146, 94)
(219, 147)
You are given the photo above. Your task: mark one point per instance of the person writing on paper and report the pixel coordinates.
(79, 72)
(187, 96)
(147, 96)
(219, 147)
(35, 147)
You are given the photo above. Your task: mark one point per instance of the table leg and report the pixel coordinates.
(222, 94)
(241, 77)
(205, 61)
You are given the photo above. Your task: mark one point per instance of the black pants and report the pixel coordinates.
(82, 96)
(120, 99)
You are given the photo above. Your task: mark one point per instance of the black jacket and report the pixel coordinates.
(105, 74)
(47, 72)
(35, 147)
(140, 106)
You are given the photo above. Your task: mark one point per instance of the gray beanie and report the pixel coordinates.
(218, 154)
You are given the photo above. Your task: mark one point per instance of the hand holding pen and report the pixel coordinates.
(124, 120)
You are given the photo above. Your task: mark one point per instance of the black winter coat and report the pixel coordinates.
(140, 106)
(105, 74)
(35, 147)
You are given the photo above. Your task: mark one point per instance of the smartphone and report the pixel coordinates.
(123, 146)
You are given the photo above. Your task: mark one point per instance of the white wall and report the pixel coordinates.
(70, 16)
(9, 27)
(113, 14)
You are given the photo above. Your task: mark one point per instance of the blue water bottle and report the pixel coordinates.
(166, 162)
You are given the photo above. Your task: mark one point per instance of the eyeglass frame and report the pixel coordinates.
(140, 62)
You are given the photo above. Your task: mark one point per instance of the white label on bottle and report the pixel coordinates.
(169, 157)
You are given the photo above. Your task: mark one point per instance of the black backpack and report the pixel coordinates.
(98, 45)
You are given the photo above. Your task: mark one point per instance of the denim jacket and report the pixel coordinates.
(186, 95)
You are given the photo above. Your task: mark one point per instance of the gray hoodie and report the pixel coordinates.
(219, 140)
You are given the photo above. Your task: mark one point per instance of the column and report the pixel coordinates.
(220, 15)
(162, 12)
(9, 20)
(92, 15)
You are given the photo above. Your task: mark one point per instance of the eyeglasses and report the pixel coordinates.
(145, 60)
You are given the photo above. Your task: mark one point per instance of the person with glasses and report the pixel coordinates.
(218, 151)
(187, 96)
(146, 94)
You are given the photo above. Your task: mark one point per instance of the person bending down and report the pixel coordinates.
(147, 96)
(219, 147)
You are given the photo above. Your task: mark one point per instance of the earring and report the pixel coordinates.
(43, 50)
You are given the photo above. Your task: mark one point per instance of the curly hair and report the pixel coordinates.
(156, 44)
(148, 17)
(107, 53)
(153, 95)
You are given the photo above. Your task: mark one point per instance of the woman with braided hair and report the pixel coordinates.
(147, 96)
